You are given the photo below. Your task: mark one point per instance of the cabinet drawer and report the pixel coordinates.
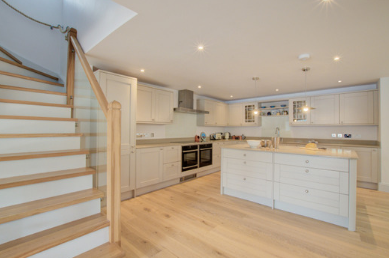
(171, 154)
(249, 168)
(171, 171)
(248, 185)
(216, 160)
(324, 201)
(248, 155)
(326, 180)
(312, 161)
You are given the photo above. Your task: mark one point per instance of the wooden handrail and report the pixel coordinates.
(71, 67)
(91, 77)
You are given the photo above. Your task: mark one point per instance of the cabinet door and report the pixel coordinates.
(220, 114)
(248, 114)
(149, 166)
(145, 105)
(171, 154)
(164, 106)
(209, 119)
(235, 115)
(326, 110)
(357, 108)
(171, 171)
(296, 113)
(367, 165)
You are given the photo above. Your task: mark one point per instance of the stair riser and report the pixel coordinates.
(92, 142)
(33, 224)
(16, 126)
(28, 193)
(98, 159)
(14, 81)
(18, 70)
(19, 145)
(32, 96)
(42, 165)
(82, 113)
(77, 246)
(12, 109)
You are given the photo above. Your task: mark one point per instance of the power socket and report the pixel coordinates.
(333, 135)
(340, 135)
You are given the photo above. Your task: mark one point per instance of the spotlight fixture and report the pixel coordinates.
(199, 86)
(142, 70)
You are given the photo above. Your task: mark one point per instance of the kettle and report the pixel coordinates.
(227, 135)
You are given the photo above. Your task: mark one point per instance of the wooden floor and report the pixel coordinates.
(193, 220)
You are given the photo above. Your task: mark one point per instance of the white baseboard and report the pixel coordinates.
(383, 187)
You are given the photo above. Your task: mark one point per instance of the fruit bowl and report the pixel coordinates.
(253, 143)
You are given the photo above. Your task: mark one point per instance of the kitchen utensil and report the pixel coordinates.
(243, 137)
(226, 135)
(263, 106)
(275, 142)
(269, 113)
(285, 112)
(272, 106)
(197, 138)
(253, 143)
(233, 137)
(239, 137)
(266, 143)
(283, 105)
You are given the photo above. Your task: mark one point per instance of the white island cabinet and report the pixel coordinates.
(316, 184)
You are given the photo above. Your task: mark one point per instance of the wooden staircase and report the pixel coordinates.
(48, 205)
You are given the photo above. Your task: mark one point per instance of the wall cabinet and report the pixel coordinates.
(296, 113)
(217, 113)
(124, 90)
(367, 166)
(155, 106)
(326, 110)
(156, 165)
(242, 114)
(357, 108)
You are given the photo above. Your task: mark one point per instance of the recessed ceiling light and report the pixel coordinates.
(231, 96)
(339, 81)
(142, 70)
(277, 89)
(336, 58)
(200, 47)
(199, 86)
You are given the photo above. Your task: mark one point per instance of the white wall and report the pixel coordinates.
(384, 133)
(34, 42)
(94, 19)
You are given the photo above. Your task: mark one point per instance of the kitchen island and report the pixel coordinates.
(320, 184)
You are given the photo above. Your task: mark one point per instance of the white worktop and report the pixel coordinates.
(329, 152)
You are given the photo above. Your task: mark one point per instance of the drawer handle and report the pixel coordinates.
(161, 148)
(172, 165)
(244, 179)
(244, 162)
(306, 191)
(307, 161)
(307, 171)
(244, 155)
(172, 148)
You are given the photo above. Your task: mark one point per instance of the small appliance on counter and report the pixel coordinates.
(203, 137)
(226, 135)
(197, 138)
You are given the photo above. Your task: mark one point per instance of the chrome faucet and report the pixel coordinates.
(276, 139)
(277, 131)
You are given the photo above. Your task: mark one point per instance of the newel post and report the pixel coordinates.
(113, 170)
(70, 68)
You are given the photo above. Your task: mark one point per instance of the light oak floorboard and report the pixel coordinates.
(192, 219)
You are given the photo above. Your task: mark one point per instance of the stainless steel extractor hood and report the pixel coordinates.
(185, 103)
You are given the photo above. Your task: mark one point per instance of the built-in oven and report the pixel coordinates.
(190, 158)
(205, 158)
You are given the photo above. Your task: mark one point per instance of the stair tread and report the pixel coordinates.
(107, 250)
(38, 118)
(40, 135)
(28, 68)
(30, 78)
(34, 103)
(41, 154)
(9, 87)
(44, 177)
(10, 55)
(27, 209)
(38, 242)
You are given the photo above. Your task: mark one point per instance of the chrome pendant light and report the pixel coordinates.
(255, 79)
(306, 108)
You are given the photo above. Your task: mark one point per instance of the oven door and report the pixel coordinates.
(205, 157)
(189, 160)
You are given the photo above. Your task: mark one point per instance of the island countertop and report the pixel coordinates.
(329, 152)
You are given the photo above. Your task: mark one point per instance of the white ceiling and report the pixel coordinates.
(249, 38)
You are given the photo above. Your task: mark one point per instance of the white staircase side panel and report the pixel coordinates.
(76, 246)
(92, 127)
(33, 224)
(6, 67)
(29, 193)
(83, 92)
(84, 113)
(32, 96)
(15, 81)
(18, 126)
(86, 102)
(12, 109)
(19, 145)
(42, 165)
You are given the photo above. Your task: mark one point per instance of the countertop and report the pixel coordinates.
(167, 144)
(329, 152)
